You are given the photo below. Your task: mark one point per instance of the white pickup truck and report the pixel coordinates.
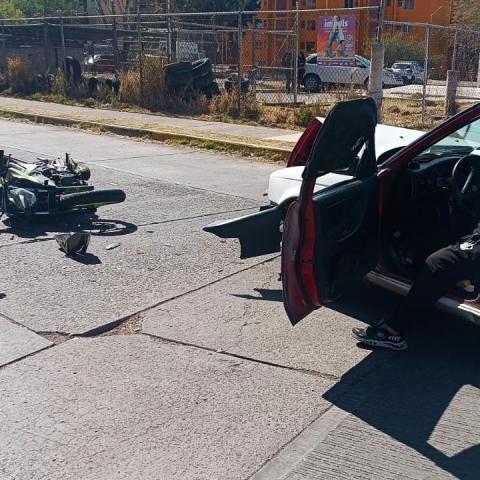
(354, 71)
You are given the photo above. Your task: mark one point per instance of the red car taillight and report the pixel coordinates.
(300, 153)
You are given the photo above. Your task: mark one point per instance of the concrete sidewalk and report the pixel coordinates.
(157, 127)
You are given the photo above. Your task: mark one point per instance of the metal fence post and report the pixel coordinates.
(114, 37)
(64, 54)
(375, 82)
(4, 46)
(46, 47)
(169, 31)
(240, 62)
(454, 58)
(297, 52)
(451, 93)
(140, 49)
(425, 74)
(254, 56)
(478, 73)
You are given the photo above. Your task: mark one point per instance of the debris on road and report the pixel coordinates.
(111, 246)
(73, 242)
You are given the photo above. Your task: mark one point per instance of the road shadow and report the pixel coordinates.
(405, 396)
(42, 226)
(85, 258)
(407, 393)
(266, 294)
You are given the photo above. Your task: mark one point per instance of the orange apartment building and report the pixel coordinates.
(272, 38)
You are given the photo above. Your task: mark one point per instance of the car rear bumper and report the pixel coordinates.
(470, 312)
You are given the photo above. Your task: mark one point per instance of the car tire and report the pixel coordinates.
(413, 80)
(201, 68)
(203, 81)
(179, 78)
(312, 83)
(178, 68)
(211, 90)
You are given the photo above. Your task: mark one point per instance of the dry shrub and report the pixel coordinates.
(225, 104)
(252, 109)
(393, 109)
(275, 115)
(20, 74)
(154, 91)
(304, 114)
(58, 84)
(130, 91)
(149, 90)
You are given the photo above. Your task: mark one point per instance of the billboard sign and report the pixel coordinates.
(336, 39)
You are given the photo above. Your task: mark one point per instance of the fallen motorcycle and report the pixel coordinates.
(49, 187)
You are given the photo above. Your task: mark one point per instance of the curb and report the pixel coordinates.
(157, 135)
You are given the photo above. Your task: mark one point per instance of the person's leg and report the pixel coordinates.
(442, 270)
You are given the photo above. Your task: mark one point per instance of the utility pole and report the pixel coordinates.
(375, 83)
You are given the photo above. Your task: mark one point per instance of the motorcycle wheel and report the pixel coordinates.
(89, 200)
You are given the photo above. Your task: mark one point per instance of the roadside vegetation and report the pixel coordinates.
(146, 92)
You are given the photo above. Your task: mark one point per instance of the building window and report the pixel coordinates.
(400, 3)
(310, 47)
(311, 25)
(311, 3)
(406, 28)
(389, 3)
(409, 4)
(349, 3)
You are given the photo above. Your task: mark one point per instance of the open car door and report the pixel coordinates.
(330, 239)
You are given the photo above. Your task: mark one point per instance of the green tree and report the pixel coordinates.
(36, 8)
(9, 10)
(214, 5)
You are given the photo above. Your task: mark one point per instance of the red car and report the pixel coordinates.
(382, 221)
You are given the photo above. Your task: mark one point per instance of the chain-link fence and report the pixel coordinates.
(286, 57)
(424, 54)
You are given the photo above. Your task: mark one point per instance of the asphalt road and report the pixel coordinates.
(205, 379)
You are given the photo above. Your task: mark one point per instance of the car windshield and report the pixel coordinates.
(401, 66)
(464, 140)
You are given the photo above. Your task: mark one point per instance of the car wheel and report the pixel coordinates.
(405, 80)
(312, 84)
(201, 68)
(204, 80)
(413, 80)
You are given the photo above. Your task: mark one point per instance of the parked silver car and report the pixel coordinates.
(411, 72)
(342, 71)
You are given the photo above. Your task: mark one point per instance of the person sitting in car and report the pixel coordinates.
(442, 270)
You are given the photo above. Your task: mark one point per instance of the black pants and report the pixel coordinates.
(442, 271)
